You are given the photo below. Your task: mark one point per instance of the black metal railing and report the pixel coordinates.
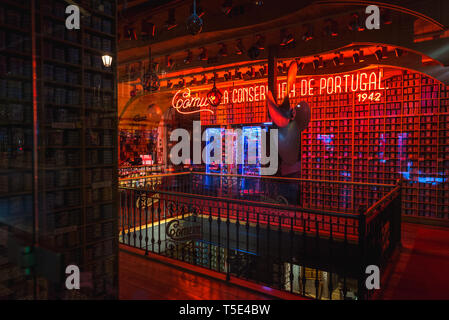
(342, 196)
(316, 253)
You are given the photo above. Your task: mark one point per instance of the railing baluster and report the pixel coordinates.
(237, 237)
(159, 242)
(361, 233)
(291, 254)
(247, 243)
(128, 215)
(317, 243)
(182, 245)
(219, 240)
(257, 235)
(210, 237)
(146, 222)
(345, 249)
(152, 225)
(193, 247)
(228, 269)
(268, 251)
(142, 199)
(123, 211)
(134, 223)
(280, 266)
(304, 255)
(331, 244)
(176, 246)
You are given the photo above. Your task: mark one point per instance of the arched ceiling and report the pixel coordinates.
(420, 29)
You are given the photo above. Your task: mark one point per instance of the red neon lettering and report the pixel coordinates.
(322, 84)
(362, 83)
(183, 100)
(330, 84)
(338, 84)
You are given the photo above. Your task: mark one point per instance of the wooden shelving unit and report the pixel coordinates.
(405, 135)
(134, 143)
(16, 142)
(77, 134)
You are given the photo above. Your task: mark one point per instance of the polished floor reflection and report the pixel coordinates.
(144, 279)
(418, 271)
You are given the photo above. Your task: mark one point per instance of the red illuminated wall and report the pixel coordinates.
(405, 134)
(374, 125)
(401, 130)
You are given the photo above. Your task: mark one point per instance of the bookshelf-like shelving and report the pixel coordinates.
(77, 136)
(403, 135)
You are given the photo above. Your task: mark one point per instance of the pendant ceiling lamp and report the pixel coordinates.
(194, 22)
(214, 95)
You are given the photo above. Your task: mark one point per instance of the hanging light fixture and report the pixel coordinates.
(226, 7)
(308, 34)
(239, 48)
(194, 22)
(171, 21)
(399, 52)
(338, 59)
(148, 30)
(129, 33)
(385, 16)
(169, 84)
(331, 28)
(189, 57)
(254, 51)
(227, 75)
(150, 79)
(300, 64)
(192, 82)
(203, 55)
(286, 38)
(318, 62)
(223, 52)
(238, 74)
(181, 83)
(260, 42)
(355, 24)
(381, 53)
(214, 95)
(107, 60)
(250, 74)
(358, 56)
(168, 61)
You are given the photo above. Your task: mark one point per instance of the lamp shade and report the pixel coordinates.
(107, 60)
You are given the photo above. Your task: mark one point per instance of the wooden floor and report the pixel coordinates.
(421, 269)
(142, 279)
(418, 271)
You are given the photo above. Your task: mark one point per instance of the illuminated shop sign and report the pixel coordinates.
(364, 83)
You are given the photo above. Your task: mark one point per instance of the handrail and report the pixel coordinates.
(264, 177)
(390, 194)
(295, 179)
(141, 166)
(249, 202)
(156, 176)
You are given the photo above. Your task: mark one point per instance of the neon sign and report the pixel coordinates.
(183, 99)
(360, 82)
